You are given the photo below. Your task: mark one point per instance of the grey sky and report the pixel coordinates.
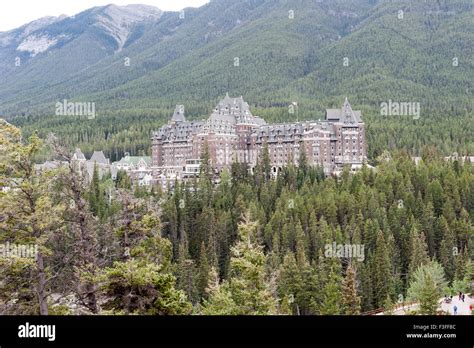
(15, 13)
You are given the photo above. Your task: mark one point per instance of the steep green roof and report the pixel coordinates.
(134, 160)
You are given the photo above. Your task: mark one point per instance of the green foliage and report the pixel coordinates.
(350, 299)
(470, 277)
(388, 306)
(134, 287)
(427, 287)
(382, 272)
(459, 286)
(246, 291)
(429, 297)
(29, 216)
(332, 295)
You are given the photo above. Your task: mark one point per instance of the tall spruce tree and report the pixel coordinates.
(350, 299)
(427, 286)
(331, 293)
(203, 272)
(418, 251)
(246, 287)
(382, 276)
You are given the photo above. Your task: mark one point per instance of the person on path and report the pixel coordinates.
(455, 310)
(463, 296)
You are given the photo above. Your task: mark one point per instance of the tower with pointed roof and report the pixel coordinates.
(178, 115)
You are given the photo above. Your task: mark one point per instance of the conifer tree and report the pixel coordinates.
(419, 251)
(300, 247)
(429, 297)
(350, 299)
(470, 276)
(266, 162)
(331, 294)
(427, 286)
(246, 286)
(367, 288)
(448, 248)
(382, 276)
(95, 197)
(203, 272)
(28, 216)
(290, 281)
(220, 301)
(186, 272)
(388, 306)
(137, 287)
(205, 175)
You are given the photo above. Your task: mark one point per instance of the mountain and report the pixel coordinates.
(52, 49)
(210, 37)
(136, 63)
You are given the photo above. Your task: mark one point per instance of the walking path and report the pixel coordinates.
(463, 307)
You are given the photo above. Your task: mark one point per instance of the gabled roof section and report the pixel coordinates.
(344, 115)
(231, 111)
(99, 158)
(135, 160)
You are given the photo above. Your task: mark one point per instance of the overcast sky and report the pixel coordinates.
(15, 13)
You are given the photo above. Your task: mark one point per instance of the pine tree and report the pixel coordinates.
(300, 247)
(470, 276)
(367, 286)
(203, 272)
(246, 286)
(429, 297)
(186, 272)
(382, 274)
(448, 248)
(332, 295)
(418, 251)
(220, 301)
(291, 283)
(29, 216)
(95, 198)
(350, 300)
(123, 181)
(266, 162)
(285, 307)
(427, 286)
(137, 287)
(205, 175)
(388, 306)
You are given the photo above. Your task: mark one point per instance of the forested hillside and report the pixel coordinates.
(272, 53)
(250, 245)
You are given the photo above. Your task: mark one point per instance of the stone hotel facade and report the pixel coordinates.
(233, 134)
